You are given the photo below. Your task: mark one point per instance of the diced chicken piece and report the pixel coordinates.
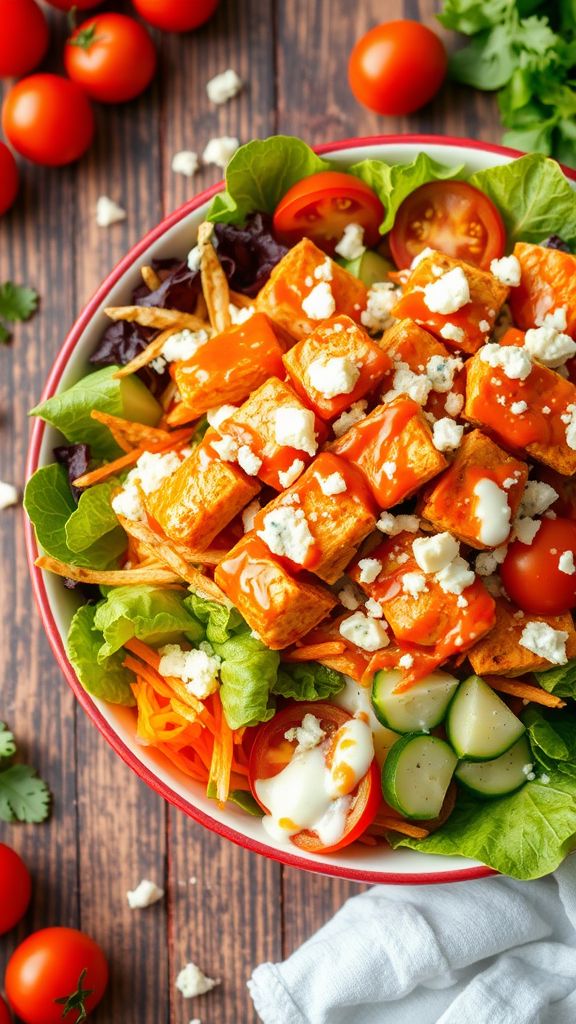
(501, 653)
(547, 283)
(409, 345)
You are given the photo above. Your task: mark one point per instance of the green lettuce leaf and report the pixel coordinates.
(50, 506)
(471, 16)
(219, 621)
(533, 196)
(70, 411)
(487, 62)
(260, 173)
(148, 613)
(394, 182)
(307, 681)
(95, 518)
(248, 673)
(560, 680)
(106, 679)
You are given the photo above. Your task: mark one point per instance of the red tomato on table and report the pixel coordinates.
(176, 15)
(48, 119)
(397, 67)
(80, 5)
(54, 968)
(8, 178)
(271, 752)
(5, 1015)
(531, 574)
(23, 39)
(111, 57)
(453, 217)
(15, 888)
(320, 207)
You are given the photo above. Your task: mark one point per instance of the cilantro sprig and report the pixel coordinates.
(527, 50)
(23, 796)
(17, 303)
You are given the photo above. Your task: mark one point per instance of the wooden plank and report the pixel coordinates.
(230, 920)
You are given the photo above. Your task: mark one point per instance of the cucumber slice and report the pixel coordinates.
(479, 725)
(370, 268)
(504, 775)
(416, 775)
(138, 404)
(420, 708)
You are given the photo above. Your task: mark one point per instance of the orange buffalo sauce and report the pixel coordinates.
(548, 282)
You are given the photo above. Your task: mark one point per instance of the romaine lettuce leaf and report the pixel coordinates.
(260, 173)
(95, 518)
(248, 673)
(560, 680)
(533, 196)
(148, 613)
(394, 182)
(50, 506)
(307, 681)
(220, 622)
(106, 678)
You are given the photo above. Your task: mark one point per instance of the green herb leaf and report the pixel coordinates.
(5, 335)
(307, 681)
(7, 742)
(487, 62)
(95, 518)
(17, 302)
(471, 16)
(148, 613)
(533, 196)
(394, 182)
(23, 796)
(106, 679)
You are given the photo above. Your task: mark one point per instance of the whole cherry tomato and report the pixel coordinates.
(23, 38)
(55, 972)
(112, 57)
(15, 888)
(532, 574)
(176, 15)
(5, 1015)
(397, 67)
(48, 119)
(8, 178)
(320, 206)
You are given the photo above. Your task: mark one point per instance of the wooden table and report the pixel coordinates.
(107, 830)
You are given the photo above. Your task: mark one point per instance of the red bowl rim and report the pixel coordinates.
(41, 595)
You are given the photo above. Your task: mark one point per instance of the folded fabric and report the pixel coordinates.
(492, 951)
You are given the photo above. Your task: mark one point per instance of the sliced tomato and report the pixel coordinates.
(271, 752)
(320, 207)
(453, 217)
(532, 576)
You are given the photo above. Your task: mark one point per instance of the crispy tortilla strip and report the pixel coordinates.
(109, 578)
(214, 283)
(180, 414)
(176, 557)
(150, 278)
(168, 396)
(160, 545)
(313, 652)
(398, 825)
(128, 434)
(241, 300)
(515, 688)
(176, 439)
(155, 316)
(152, 351)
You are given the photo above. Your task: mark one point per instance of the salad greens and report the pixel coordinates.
(146, 613)
(307, 680)
(23, 796)
(560, 680)
(393, 183)
(105, 678)
(95, 518)
(527, 49)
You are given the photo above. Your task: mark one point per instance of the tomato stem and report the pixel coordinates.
(85, 38)
(77, 1000)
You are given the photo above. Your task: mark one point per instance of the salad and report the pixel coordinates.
(316, 500)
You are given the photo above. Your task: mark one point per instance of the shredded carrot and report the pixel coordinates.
(130, 433)
(313, 652)
(404, 827)
(515, 688)
(177, 439)
(349, 666)
(180, 414)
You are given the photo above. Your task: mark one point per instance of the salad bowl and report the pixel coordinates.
(174, 237)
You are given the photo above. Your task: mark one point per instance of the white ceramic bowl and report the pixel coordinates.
(174, 237)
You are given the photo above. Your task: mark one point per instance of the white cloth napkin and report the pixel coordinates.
(492, 951)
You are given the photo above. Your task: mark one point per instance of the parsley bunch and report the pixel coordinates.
(23, 796)
(527, 50)
(16, 303)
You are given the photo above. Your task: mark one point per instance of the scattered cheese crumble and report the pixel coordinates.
(337, 376)
(381, 299)
(370, 568)
(434, 553)
(392, 525)
(217, 415)
(537, 497)
(108, 212)
(367, 633)
(414, 583)
(332, 484)
(548, 344)
(185, 162)
(294, 428)
(286, 532)
(144, 895)
(515, 362)
(545, 642)
(197, 669)
(220, 151)
(183, 345)
(319, 304)
(447, 434)
(224, 87)
(351, 245)
(507, 270)
(8, 495)
(291, 474)
(449, 293)
(191, 981)
(354, 414)
(566, 563)
(307, 735)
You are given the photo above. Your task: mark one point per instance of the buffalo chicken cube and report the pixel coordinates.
(501, 651)
(547, 283)
(411, 347)
(319, 522)
(272, 434)
(477, 497)
(229, 366)
(335, 366)
(453, 299)
(195, 503)
(417, 606)
(393, 447)
(306, 286)
(524, 405)
(278, 607)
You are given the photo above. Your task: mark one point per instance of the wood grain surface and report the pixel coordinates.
(225, 908)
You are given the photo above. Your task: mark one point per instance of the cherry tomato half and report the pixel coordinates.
(531, 575)
(8, 178)
(15, 888)
(176, 15)
(48, 119)
(111, 57)
(23, 39)
(451, 216)
(320, 207)
(397, 67)
(271, 752)
(52, 965)
(5, 1015)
